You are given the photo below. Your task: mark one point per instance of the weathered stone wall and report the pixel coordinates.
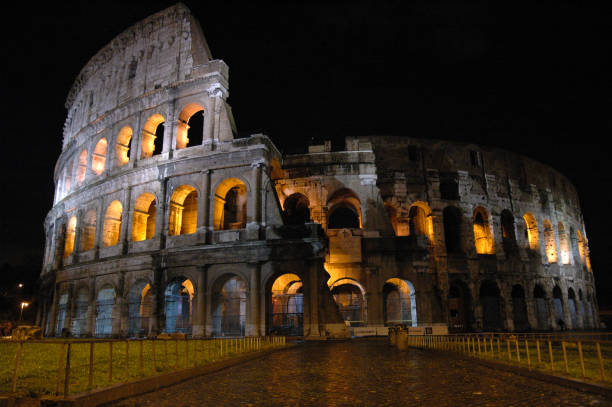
(138, 215)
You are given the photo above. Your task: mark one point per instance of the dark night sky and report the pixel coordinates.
(533, 79)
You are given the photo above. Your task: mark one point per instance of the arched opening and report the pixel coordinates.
(230, 205)
(508, 232)
(400, 303)
(549, 239)
(183, 211)
(581, 300)
(69, 238)
(491, 306)
(459, 306)
(152, 136)
(351, 303)
(112, 224)
(564, 246)
(297, 209)
(62, 306)
(541, 307)
(287, 313)
(558, 307)
(581, 246)
(451, 216)
(418, 221)
(190, 127)
(104, 312)
(344, 210)
(79, 320)
(178, 306)
(123, 145)
(67, 184)
(98, 157)
(229, 306)
(88, 229)
(571, 300)
(139, 309)
(143, 219)
(531, 231)
(81, 167)
(519, 309)
(483, 237)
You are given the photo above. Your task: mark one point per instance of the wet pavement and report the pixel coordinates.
(363, 373)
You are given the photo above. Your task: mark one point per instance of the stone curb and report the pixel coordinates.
(124, 390)
(576, 384)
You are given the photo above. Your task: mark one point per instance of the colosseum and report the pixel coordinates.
(164, 221)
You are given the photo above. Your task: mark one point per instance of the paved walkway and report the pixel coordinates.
(362, 373)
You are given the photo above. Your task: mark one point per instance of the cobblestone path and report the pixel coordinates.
(362, 373)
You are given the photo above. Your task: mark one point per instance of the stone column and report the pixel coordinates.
(253, 313)
(53, 313)
(204, 206)
(311, 302)
(124, 237)
(90, 324)
(199, 320)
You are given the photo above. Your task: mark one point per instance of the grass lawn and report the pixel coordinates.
(133, 359)
(543, 362)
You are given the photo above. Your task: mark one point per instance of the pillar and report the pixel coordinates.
(199, 317)
(253, 313)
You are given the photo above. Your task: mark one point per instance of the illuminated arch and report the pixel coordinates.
(344, 210)
(185, 135)
(152, 136)
(229, 305)
(483, 237)
(581, 246)
(230, 206)
(549, 239)
(420, 221)
(88, 236)
(105, 302)
(143, 218)
(183, 211)
(179, 305)
(286, 310)
(349, 295)
(564, 245)
(69, 238)
(140, 306)
(531, 231)
(122, 147)
(81, 167)
(67, 179)
(98, 157)
(112, 224)
(399, 302)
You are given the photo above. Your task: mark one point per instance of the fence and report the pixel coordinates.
(579, 355)
(65, 367)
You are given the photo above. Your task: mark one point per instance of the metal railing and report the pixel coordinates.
(586, 356)
(67, 367)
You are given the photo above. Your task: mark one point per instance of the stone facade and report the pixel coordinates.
(163, 223)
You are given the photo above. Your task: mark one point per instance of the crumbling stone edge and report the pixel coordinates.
(120, 391)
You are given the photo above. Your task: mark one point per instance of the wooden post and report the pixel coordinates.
(581, 358)
(550, 352)
(110, 362)
(165, 352)
(59, 369)
(154, 356)
(91, 365)
(67, 371)
(601, 363)
(140, 358)
(527, 352)
(16, 366)
(508, 346)
(538, 348)
(127, 360)
(565, 356)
